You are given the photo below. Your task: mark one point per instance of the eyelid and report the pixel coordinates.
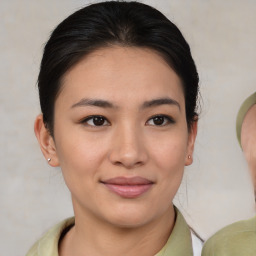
(170, 120)
(85, 120)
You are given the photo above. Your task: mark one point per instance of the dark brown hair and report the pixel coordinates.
(114, 23)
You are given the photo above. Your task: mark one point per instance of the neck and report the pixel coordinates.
(92, 236)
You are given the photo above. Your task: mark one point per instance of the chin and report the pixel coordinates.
(130, 218)
(129, 223)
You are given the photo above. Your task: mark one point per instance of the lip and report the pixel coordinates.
(128, 187)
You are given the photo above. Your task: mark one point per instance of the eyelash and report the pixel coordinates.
(167, 120)
(93, 118)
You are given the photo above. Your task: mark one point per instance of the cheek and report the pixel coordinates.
(250, 152)
(169, 157)
(169, 153)
(80, 155)
(251, 159)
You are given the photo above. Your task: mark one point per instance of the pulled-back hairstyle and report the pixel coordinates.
(129, 24)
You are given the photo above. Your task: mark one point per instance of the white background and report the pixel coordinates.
(216, 190)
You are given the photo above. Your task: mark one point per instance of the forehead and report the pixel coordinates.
(119, 72)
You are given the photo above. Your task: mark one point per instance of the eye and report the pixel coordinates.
(160, 120)
(95, 121)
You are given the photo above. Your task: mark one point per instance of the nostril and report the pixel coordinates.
(118, 163)
(128, 164)
(128, 151)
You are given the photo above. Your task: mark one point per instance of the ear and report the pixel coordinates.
(46, 141)
(191, 142)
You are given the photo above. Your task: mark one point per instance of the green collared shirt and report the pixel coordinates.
(178, 244)
(238, 239)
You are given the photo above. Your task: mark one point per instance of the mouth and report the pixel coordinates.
(128, 187)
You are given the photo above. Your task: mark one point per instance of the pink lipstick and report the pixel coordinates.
(128, 187)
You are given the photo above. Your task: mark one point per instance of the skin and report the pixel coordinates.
(128, 144)
(248, 141)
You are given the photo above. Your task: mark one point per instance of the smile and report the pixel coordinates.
(128, 187)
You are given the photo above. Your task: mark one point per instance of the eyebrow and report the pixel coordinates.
(106, 104)
(93, 102)
(159, 102)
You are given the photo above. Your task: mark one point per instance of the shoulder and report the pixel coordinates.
(236, 239)
(47, 245)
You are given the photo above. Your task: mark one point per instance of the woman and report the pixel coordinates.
(240, 238)
(118, 92)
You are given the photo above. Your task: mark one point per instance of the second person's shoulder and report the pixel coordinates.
(234, 240)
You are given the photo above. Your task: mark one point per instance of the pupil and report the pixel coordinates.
(98, 121)
(159, 120)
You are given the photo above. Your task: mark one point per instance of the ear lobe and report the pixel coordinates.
(45, 141)
(191, 143)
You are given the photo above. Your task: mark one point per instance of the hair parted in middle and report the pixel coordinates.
(107, 24)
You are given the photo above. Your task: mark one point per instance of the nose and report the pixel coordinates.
(128, 149)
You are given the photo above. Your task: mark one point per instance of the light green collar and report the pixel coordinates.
(179, 242)
(48, 244)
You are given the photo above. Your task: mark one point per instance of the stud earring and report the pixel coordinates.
(49, 160)
(189, 156)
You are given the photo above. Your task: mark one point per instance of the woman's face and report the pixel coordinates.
(121, 135)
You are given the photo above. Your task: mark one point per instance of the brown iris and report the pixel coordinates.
(98, 120)
(158, 120)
